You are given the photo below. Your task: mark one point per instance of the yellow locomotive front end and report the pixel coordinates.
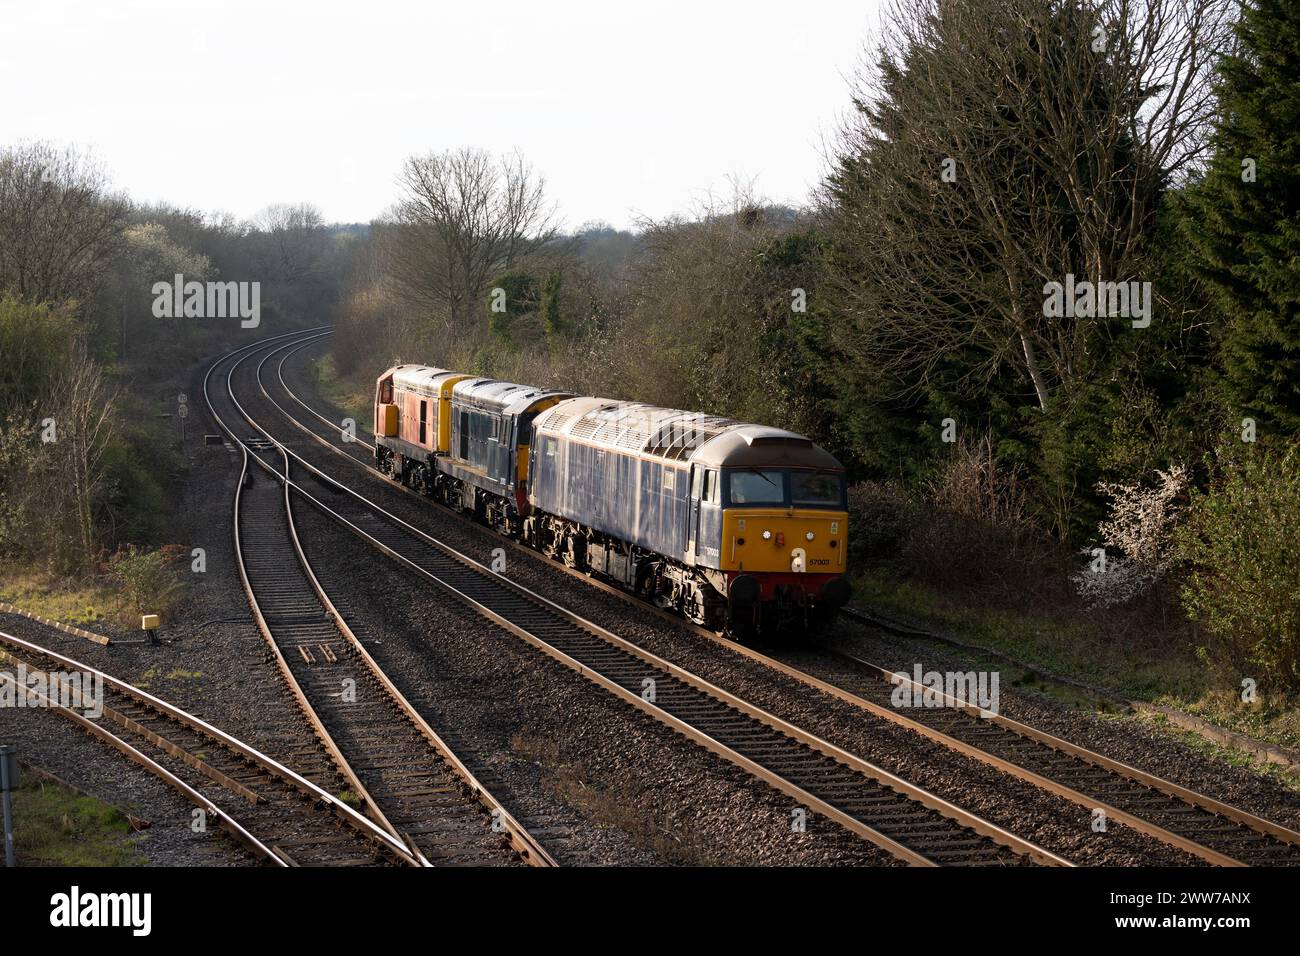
(771, 528)
(793, 540)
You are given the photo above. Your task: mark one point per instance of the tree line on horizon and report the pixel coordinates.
(91, 379)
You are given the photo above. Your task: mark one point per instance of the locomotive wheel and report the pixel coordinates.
(742, 632)
(575, 552)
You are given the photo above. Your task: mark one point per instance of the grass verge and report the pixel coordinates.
(82, 602)
(1080, 649)
(54, 826)
(129, 584)
(342, 394)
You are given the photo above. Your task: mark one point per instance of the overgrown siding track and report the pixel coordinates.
(1182, 818)
(913, 824)
(396, 766)
(274, 813)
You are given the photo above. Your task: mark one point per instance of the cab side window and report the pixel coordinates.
(712, 488)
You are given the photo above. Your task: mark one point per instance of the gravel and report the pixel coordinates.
(1052, 822)
(53, 743)
(210, 660)
(597, 782)
(609, 784)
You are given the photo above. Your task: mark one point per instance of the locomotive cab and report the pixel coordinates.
(769, 524)
(385, 425)
(783, 520)
(413, 422)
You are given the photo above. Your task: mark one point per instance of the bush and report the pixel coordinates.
(966, 529)
(881, 515)
(974, 531)
(135, 503)
(150, 584)
(35, 340)
(1242, 541)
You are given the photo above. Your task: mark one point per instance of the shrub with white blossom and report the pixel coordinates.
(1138, 538)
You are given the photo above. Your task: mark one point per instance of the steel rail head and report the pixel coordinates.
(971, 750)
(270, 764)
(378, 818)
(383, 830)
(1168, 787)
(527, 846)
(293, 349)
(1207, 803)
(227, 822)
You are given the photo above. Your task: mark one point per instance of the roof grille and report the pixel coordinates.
(679, 438)
(585, 429)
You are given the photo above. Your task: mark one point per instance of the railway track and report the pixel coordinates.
(277, 815)
(914, 825)
(1216, 831)
(407, 779)
(1210, 829)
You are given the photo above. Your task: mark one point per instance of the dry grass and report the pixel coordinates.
(84, 602)
(342, 393)
(95, 599)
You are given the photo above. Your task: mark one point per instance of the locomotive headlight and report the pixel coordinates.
(810, 536)
(767, 536)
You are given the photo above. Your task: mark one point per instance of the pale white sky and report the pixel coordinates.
(626, 109)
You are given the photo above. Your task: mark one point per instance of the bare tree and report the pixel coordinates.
(465, 218)
(58, 222)
(999, 145)
(296, 239)
(85, 419)
(703, 273)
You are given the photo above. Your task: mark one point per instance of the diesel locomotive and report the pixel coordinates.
(739, 527)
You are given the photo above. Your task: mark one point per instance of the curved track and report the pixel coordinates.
(914, 825)
(277, 815)
(1214, 831)
(404, 775)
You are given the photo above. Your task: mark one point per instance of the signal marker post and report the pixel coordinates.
(8, 781)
